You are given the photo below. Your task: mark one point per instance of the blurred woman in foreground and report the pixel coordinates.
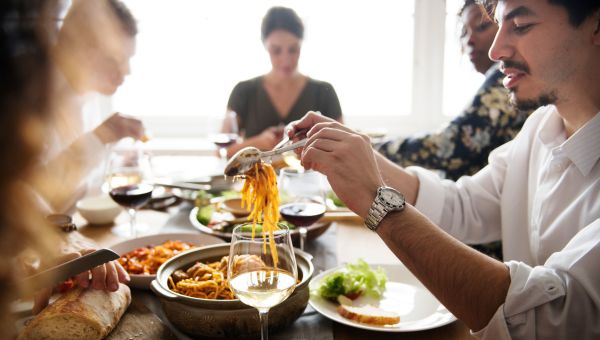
(24, 112)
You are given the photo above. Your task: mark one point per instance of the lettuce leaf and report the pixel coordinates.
(354, 280)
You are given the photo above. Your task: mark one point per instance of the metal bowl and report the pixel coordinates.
(225, 319)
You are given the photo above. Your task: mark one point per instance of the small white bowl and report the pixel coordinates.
(98, 209)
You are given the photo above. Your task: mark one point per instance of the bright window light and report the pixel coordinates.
(190, 54)
(461, 81)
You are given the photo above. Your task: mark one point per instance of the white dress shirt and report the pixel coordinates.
(540, 194)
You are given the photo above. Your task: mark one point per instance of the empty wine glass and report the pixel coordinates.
(302, 195)
(262, 272)
(127, 167)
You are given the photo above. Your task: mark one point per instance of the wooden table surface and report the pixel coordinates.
(352, 240)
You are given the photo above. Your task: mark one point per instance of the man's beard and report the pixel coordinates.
(532, 104)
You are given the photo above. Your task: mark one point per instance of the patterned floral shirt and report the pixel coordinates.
(462, 147)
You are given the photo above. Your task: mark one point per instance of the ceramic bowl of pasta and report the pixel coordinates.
(142, 256)
(215, 313)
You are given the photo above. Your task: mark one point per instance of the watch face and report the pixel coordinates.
(392, 198)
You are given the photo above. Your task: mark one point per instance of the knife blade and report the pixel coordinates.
(63, 271)
(183, 185)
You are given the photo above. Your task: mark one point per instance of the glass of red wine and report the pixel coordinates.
(127, 168)
(228, 136)
(302, 194)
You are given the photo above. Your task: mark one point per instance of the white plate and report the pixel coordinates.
(143, 281)
(404, 295)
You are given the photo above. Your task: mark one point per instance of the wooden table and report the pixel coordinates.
(351, 241)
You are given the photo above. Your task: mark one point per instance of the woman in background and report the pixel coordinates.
(265, 103)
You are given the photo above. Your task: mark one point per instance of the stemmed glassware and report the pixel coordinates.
(302, 194)
(262, 272)
(228, 137)
(127, 167)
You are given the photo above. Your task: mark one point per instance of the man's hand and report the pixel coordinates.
(344, 156)
(106, 277)
(310, 119)
(119, 126)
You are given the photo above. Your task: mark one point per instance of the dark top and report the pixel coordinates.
(462, 147)
(256, 112)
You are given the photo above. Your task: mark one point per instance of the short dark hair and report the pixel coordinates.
(578, 10)
(124, 16)
(282, 18)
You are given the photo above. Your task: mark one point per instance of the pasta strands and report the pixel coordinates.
(261, 197)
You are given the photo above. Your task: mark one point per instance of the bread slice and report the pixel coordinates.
(368, 315)
(80, 314)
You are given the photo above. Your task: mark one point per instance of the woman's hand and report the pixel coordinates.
(118, 126)
(267, 139)
(105, 277)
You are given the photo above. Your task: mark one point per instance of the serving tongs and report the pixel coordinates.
(243, 160)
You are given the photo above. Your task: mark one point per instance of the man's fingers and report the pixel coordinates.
(327, 145)
(315, 159)
(306, 122)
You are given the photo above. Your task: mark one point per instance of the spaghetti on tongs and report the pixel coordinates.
(261, 197)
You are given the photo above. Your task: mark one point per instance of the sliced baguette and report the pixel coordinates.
(368, 315)
(79, 314)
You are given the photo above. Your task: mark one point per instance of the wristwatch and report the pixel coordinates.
(387, 199)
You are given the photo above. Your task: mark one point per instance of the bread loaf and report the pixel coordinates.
(79, 314)
(368, 315)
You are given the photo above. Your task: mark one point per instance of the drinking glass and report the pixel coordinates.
(262, 272)
(229, 136)
(302, 195)
(127, 167)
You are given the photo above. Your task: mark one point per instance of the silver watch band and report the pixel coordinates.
(377, 212)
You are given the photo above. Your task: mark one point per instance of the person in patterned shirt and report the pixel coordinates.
(462, 147)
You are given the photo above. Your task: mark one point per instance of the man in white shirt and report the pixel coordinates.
(540, 192)
(91, 54)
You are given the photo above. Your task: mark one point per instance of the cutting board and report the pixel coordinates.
(139, 323)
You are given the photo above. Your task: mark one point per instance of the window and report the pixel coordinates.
(394, 64)
(190, 54)
(456, 66)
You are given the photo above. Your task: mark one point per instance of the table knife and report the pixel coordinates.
(61, 272)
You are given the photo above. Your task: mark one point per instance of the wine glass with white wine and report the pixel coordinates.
(262, 271)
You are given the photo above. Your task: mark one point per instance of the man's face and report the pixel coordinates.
(542, 55)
